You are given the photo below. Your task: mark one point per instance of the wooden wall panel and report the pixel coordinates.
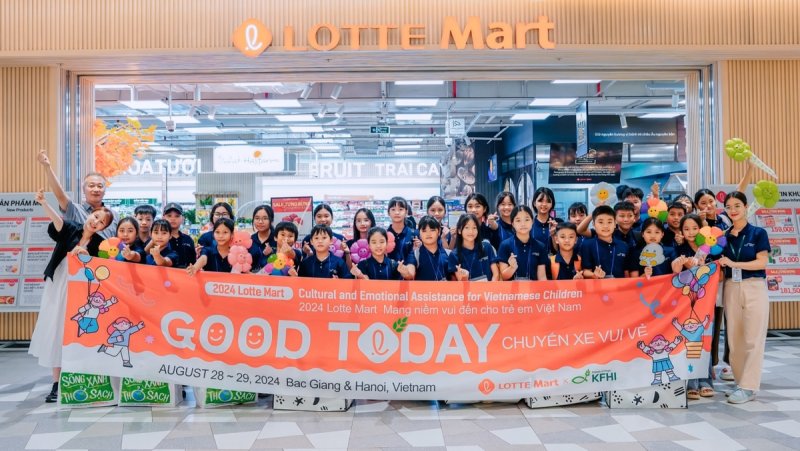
(761, 104)
(31, 26)
(16, 325)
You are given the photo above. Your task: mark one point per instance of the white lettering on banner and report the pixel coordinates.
(357, 169)
(184, 166)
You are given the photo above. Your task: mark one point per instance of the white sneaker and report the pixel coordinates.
(726, 374)
(741, 396)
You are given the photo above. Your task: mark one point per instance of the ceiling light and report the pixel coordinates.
(306, 92)
(212, 113)
(322, 111)
(337, 91)
(623, 121)
(161, 148)
(408, 140)
(682, 102)
(233, 142)
(338, 135)
(530, 116)
(102, 87)
(413, 116)
(145, 104)
(319, 141)
(326, 147)
(278, 103)
(295, 117)
(405, 154)
(408, 146)
(339, 111)
(660, 115)
(178, 119)
(562, 101)
(306, 129)
(419, 82)
(416, 102)
(258, 84)
(575, 82)
(330, 155)
(203, 130)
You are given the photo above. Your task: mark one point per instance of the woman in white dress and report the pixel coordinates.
(70, 237)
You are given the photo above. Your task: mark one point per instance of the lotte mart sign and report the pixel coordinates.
(252, 37)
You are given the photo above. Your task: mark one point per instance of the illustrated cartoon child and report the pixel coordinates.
(87, 314)
(693, 331)
(659, 350)
(120, 332)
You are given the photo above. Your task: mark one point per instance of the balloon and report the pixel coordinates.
(336, 248)
(102, 273)
(88, 273)
(390, 243)
(686, 277)
(84, 258)
(766, 193)
(603, 194)
(686, 290)
(359, 251)
(701, 293)
(711, 241)
(737, 149)
(240, 259)
(242, 238)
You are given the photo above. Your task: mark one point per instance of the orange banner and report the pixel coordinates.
(404, 340)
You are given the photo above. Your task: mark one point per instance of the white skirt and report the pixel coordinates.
(48, 335)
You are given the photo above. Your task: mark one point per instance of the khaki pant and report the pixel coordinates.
(746, 320)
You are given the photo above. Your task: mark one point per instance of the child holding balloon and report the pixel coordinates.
(215, 257)
(378, 266)
(71, 238)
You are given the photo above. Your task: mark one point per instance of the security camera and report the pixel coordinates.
(170, 125)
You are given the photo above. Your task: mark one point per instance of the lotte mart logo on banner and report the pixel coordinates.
(252, 37)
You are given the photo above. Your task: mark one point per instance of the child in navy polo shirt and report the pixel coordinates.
(653, 233)
(521, 257)
(323, 215)
(672, 229)
(500, 221)
(323, 264)
(635, 196)
(403, 235)
(215, 257)
(180, 242)
(604, 256)
(161, 252)
(431, 258)
(544, 223)
(566, 263)
(473, 257)
(378, 266)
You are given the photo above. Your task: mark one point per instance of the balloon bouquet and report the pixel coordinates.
(239, 255)
(765, 191)
(359, 250)
(692, 283)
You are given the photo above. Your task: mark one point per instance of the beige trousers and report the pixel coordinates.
(747, 318)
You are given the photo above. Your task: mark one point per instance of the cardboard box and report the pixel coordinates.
(310, 403)
(671, 395)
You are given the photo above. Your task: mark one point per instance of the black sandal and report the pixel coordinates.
(53, 396)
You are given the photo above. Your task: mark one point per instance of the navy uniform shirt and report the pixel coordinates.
(661, 269)
(257, 250)
(183, 245)
(529, 256)
(541, 233)
(403, 245)
(167, 252)
(207, 239)
(631, 238)
(307, 240)
(721, 222)
(566, 269)
(325, 269)
(744, 248)
(385, 270)
(214, 261)
(477, 265)
(432, 266)
(614, 257)
(637, 225)
(504, 231)
(138, 247)
(669, 238)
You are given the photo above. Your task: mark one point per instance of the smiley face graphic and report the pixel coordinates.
(255, 337)
(216, 334)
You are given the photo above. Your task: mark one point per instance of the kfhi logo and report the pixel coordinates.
(252, 38)
(486, 386)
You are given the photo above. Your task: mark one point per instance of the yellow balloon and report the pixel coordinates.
(703, 270)
(686, 290)
(102, 273)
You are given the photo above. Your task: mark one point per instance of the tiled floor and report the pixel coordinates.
(772, 422)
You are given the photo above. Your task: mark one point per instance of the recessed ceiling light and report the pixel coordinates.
(145, 104)
(530, 116)
(408, 146)
(413, 116)
(203, 130)
(660, 115)
(416, 102)
(338, 135)
(563, 101)
(419, 82)
(278, 103)
(326, 147)
(329, 155)
(295, 117)
(319, 141)
(405, 154)
(102, 87)
(179, 119)
(306, 128)
(575, 82)
(408, 140)
(162, 148)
